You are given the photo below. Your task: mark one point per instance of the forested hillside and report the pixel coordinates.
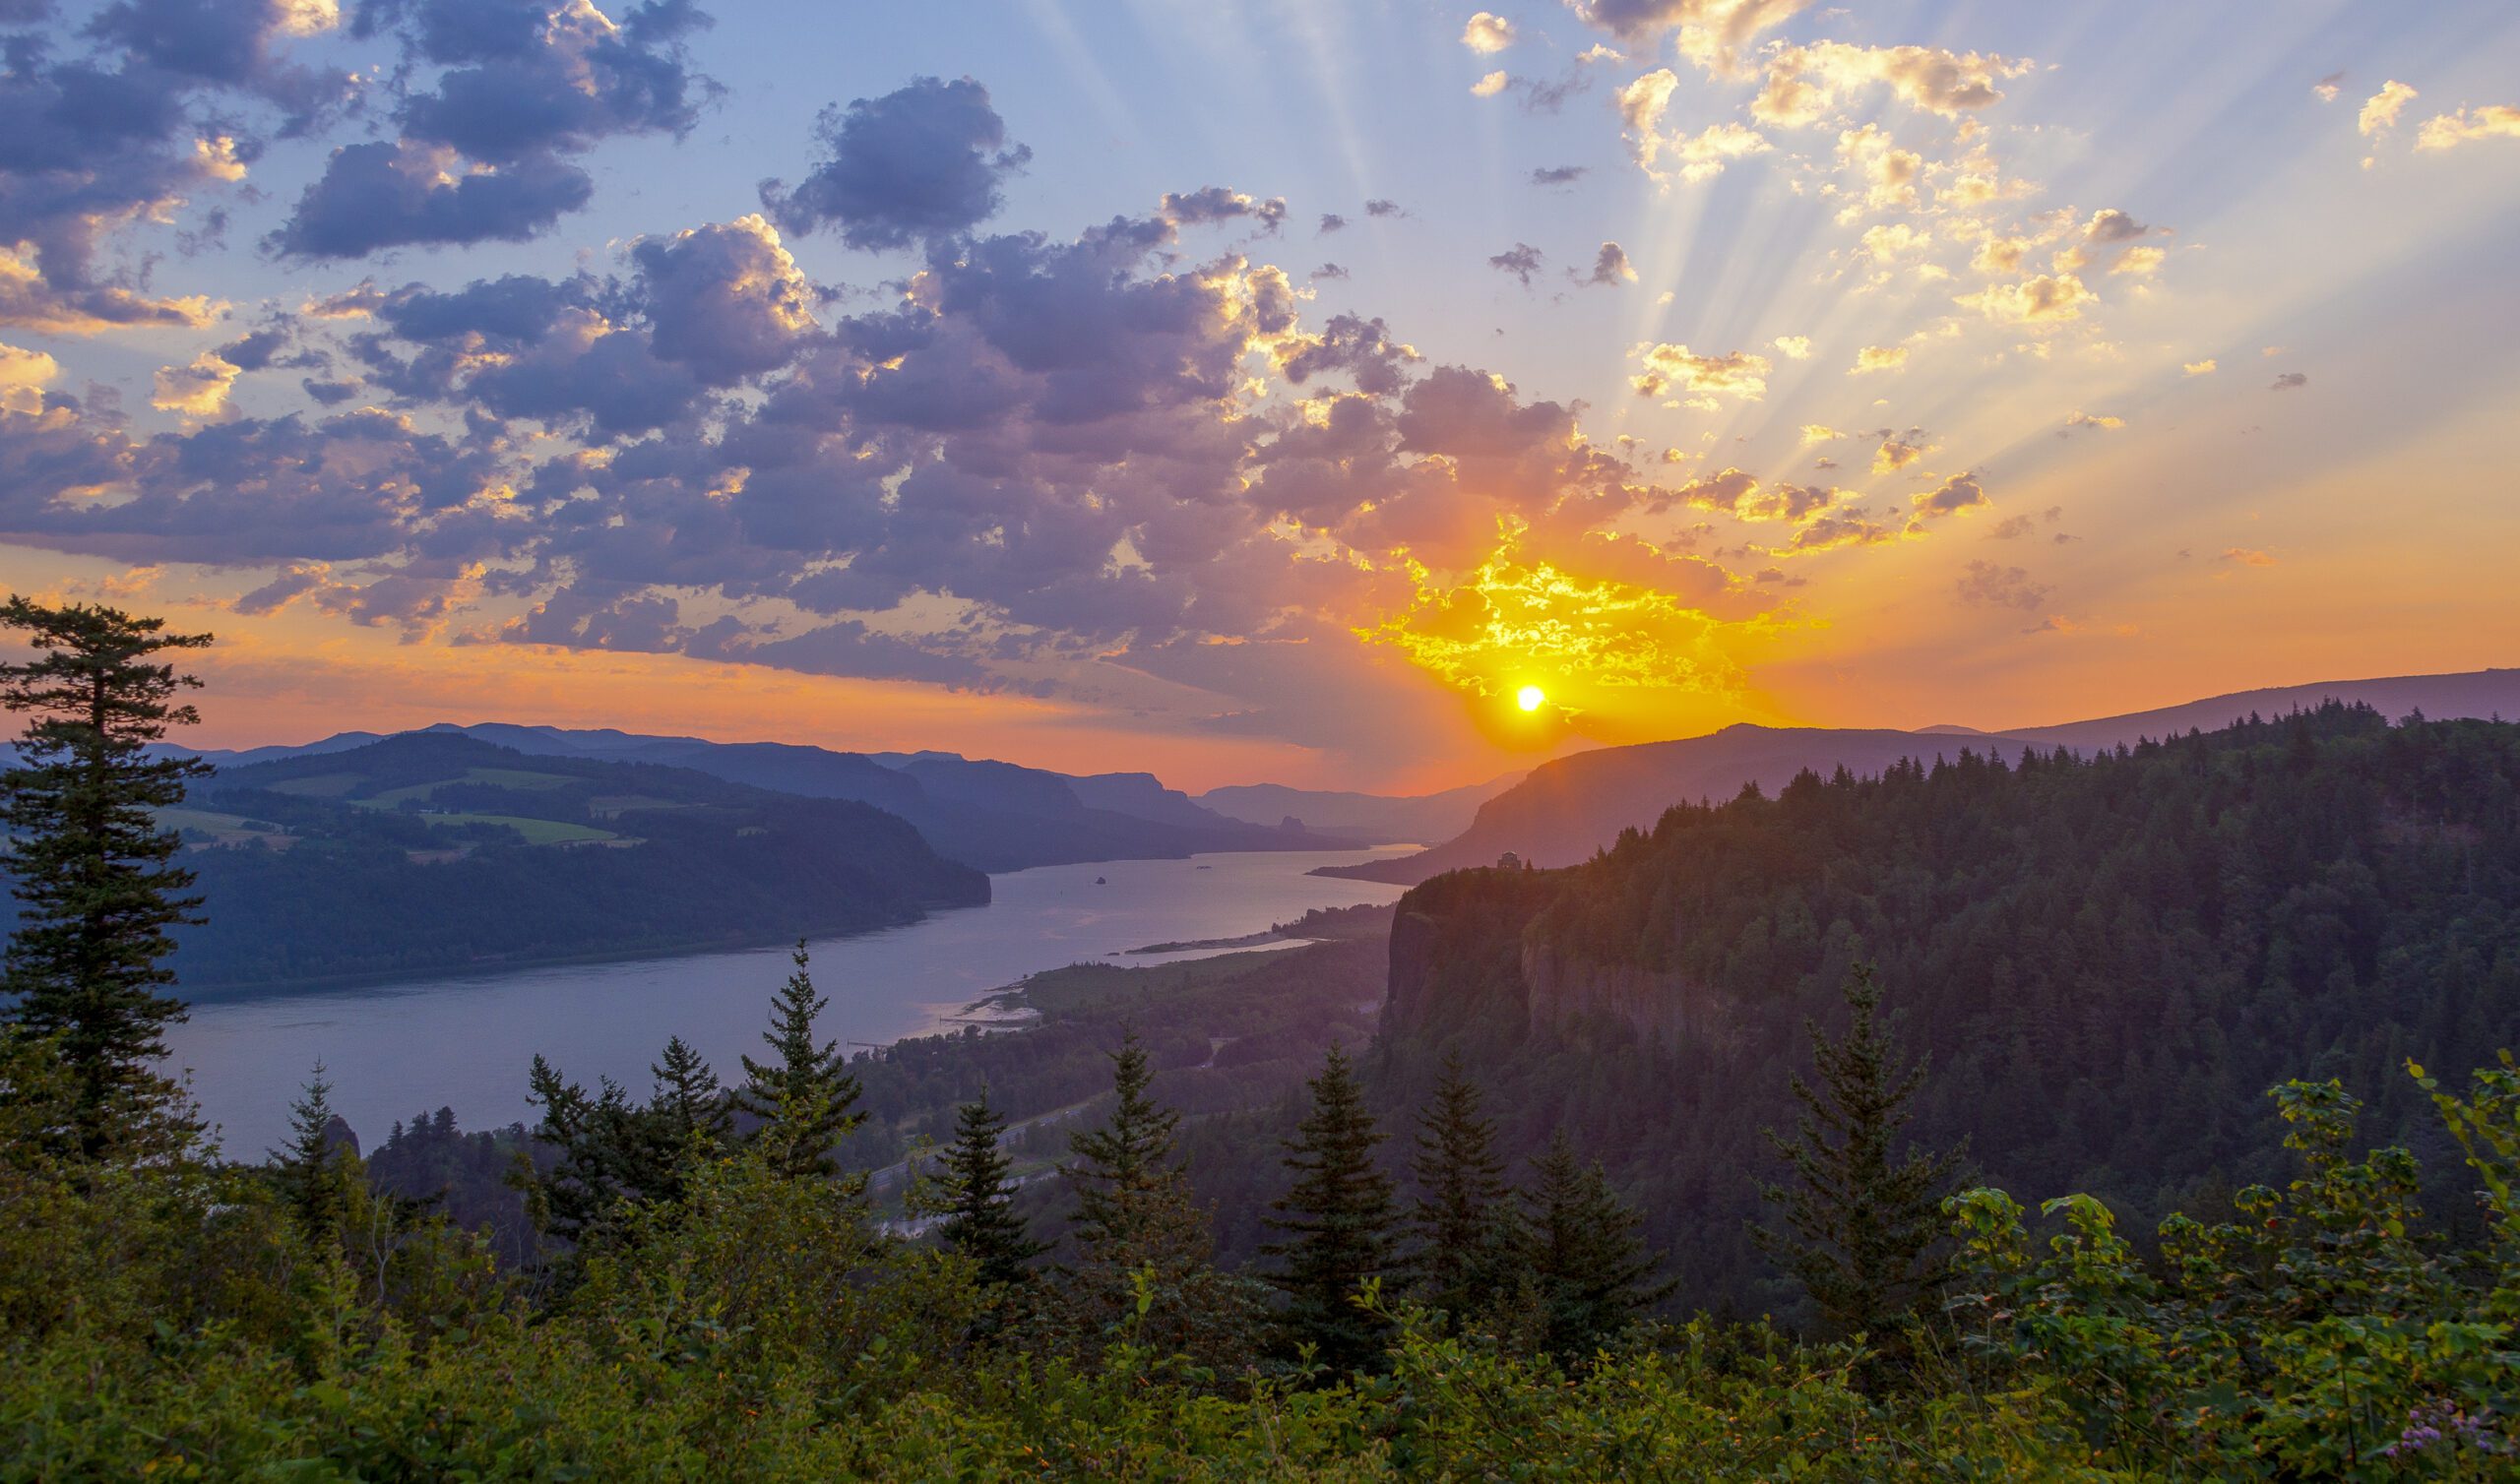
(428, 851)
(2109, 961)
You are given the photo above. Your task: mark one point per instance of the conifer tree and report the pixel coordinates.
(309, 1167)
(1118, 1164)
(1587, 1259)
(687, 1103)
(1861, 1219)
(1337, 1221)
(1463, 1221)
(597, 1141)
(91, 863)
(981, 1221)
(806, 1098)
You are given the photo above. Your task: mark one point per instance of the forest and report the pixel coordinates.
(1491, 1236)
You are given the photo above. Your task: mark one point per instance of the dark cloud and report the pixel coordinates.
(1987, 582)
(376, 196)
(1330, 270)
(1332, 221)
(1361, 348)
(2289, 381)
(256, 350)
(920, 164)
(1610, 268)
(1557, 175)
(1522, 261)
(725, 300)
(483, 156)
(1382, 208)
(1212, 204)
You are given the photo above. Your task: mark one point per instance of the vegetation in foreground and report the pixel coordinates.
(722, 1301)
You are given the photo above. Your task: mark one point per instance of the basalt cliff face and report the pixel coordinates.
(1462, 949)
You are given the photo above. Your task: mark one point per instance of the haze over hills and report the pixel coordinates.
(1368, 818)
(1567, 809)
(991, 815)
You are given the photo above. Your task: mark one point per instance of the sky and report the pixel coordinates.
(1384, 394)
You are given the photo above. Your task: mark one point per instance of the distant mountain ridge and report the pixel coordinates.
(1372, 819)
(991, 815)
(1567, 809)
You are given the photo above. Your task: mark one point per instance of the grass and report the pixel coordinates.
(322, 785)
(495, 778)
(609, 805)
(223, 828)
(535, 832)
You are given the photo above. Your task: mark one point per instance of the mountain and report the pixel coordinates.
(433, 850)
(2109, 961)
(1567, 809)
(2474, 694)
(994, 816)
(1371, 819)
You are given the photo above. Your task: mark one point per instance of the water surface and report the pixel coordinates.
(463, 1041)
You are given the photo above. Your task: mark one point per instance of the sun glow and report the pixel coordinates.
(1529, 698)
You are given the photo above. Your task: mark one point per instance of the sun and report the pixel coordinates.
(1529, 698)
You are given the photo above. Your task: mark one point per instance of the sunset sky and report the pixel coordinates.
(1263, 391)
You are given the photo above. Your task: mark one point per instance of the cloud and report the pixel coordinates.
(1488, 34)
(1958, 493)
(2043, 299)
(1986, 584)
(1898, 452)
(726, 300)
(922, 164)
(1522, 260)
(1382, 208)
(1214, 204)
(2205, 367)
(1675, 368)
(2245, 556)
(2327, 87)
(197, 390)
(2448, 130)
(1693, 157)
(1490, 85)
(1806, 83)
(1557, 175)
(1610, 268)
(376, 196)
(1879, 358)
(2100, 422)
(1838, 529)
(1331, 221)
(483, 156)
(2381, 111)
(1731, 23)
(1890, 173)
(23, 374)
(1793, 347)
(2289, 381)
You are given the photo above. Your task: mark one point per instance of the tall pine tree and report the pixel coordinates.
(981, 1221)
(1121, 1164)
(806, 1098)
(1586, 1257)
(91, 862)
(310, 1167)
(1463, 1222)
(1860, 1218)
(686, 1119)
(1337, 1222)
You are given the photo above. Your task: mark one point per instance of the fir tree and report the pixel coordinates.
(1860, 1220)
(1119, 1163)
(806, 1099)
(686, 1118)
(309, 1168)
(1587, 1259)
(1337, 1221)
(89, 860)
(597, 1145)
(1462, 1222)
(981, 1221)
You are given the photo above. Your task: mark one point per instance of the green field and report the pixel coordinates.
(496, 777)
(535, 832)
(223, 828)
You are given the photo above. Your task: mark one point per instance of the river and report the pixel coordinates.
(463, 1041)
